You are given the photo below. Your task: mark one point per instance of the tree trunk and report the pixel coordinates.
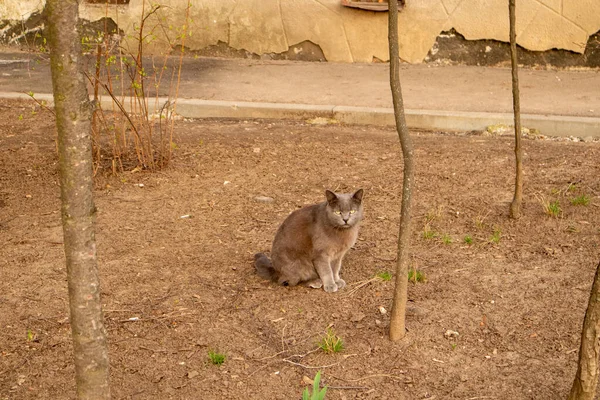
(73, 116)
(515, 206)
(397, 322)
(584, 385)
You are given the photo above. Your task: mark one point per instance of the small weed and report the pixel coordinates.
(479, 220)
(552, 208)
(453, 345)
(216, 358)
(331, 343)
(582, 200)
(384, 276)
(446, 239)
(414, 275)
(317, 392)
(468, 240)
(572, 229)
(428, 233)
(30, 335)
(572, 187)
(433, 214)
(496, 236)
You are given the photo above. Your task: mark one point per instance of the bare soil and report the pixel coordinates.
(175, 287)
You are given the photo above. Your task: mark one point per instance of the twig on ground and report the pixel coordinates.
(287, 360)
(371, 376)
(152, 350)
(304, 355)
(361, 284)
(571, 351)
(167, 316)
(310, 366)
(273, 356)
(385, 259)
(283, 337)
(348, 387)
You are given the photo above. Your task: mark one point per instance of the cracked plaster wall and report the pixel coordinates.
(344, 34)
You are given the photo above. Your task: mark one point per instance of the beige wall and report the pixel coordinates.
(346, 35)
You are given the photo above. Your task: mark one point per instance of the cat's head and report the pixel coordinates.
(344, 210)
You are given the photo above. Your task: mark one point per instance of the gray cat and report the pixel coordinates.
(311, 242)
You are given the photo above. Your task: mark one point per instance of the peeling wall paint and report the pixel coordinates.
(267, 27)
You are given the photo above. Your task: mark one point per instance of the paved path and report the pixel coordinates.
(431, 90)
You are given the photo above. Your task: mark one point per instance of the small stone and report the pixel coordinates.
(256, 150)
(415, 311)
(382, 310)
(27, 196)
(377, 322)
(357, 317)
(464, 378)
(588, 139)
(192, 374)
(450, 334)
(226, 183)
(264, 199)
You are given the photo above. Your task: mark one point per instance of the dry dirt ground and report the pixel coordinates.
(175, 288)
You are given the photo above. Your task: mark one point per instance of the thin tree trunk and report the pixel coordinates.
(397, 322)
(586, 380)
(73, 116)
(515, 206)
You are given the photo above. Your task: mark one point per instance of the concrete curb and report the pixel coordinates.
(551, 125)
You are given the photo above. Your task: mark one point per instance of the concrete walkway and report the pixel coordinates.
(563, 103)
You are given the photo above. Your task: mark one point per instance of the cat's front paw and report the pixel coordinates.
(330, 288)
(340, 283)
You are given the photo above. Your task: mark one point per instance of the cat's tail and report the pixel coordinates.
(264, 267)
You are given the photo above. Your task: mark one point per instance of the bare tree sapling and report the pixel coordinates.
(398, 317)
(586, 379)
(73, 121)
(515, 206)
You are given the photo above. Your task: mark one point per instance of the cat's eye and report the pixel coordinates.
(338, 212)
(352, 211)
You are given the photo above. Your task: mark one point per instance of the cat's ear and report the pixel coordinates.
(358, 195)
(331, 197)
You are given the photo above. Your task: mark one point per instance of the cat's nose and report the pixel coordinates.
(346, 219)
